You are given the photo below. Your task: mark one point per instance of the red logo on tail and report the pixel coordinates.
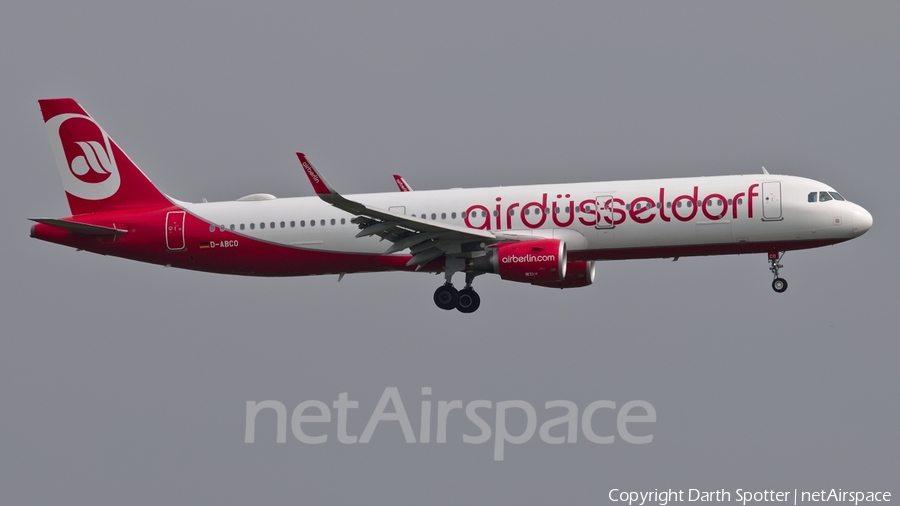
(85, 148)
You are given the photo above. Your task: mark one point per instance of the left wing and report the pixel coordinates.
(426, 240)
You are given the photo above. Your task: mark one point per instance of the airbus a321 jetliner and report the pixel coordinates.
(546, 235)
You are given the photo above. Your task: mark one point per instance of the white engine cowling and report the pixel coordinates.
(538, 261)
(578, 274)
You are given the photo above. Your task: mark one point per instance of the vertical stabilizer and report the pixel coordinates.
(96, 174)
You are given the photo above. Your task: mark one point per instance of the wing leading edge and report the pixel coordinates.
(426, 240)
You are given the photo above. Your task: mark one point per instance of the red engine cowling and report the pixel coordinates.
(578, 274)
(538, 261)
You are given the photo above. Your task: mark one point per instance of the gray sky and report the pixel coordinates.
(127, 383)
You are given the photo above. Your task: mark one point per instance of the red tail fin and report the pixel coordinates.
(97, 175)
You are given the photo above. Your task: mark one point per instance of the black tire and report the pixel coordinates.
(469, 301)
(446, 297)
(779, 285)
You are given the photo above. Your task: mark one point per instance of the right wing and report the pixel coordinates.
(402, 184)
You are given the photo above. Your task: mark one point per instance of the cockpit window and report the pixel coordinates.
(824, 196)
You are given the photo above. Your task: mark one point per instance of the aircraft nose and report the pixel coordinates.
(862, 221)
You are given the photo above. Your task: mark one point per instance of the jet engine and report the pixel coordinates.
(578, 274)
(539, 261)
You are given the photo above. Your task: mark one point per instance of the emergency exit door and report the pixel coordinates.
(606, 216)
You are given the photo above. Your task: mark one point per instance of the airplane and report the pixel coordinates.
(548, 235)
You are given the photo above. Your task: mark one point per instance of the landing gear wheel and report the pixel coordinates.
(468, 301)
(779, 285)
(446, 297)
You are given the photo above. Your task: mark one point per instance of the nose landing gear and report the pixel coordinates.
(778, 284)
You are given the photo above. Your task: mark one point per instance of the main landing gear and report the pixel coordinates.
(465, 300)
(778, 284)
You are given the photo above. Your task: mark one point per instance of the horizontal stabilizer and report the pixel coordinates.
(79, 228)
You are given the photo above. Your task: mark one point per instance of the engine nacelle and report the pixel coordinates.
(578, 274)
(537, 261)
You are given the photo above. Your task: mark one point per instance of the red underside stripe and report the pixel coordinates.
(257, 258)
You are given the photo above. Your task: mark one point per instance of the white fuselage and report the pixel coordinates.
(644, 214)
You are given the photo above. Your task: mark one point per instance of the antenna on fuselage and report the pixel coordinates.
(765, 171)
